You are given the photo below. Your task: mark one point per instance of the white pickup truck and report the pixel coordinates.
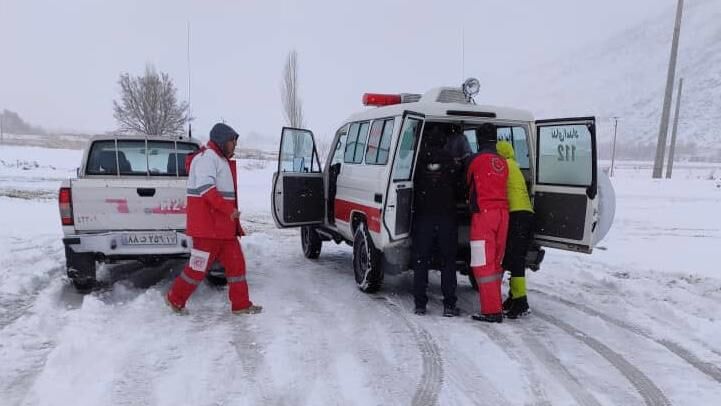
(127, 203)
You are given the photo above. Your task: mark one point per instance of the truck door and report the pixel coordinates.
(298, 193)
(397, 214)
(566, 183)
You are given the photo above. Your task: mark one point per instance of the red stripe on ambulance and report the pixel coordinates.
(344, 209)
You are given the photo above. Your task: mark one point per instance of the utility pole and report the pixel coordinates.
(670, 80)
(672, 150)
(613, 150)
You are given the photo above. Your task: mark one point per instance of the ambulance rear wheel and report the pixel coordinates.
(366, 261)
(311, 242)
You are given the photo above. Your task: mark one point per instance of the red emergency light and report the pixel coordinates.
(379, 100)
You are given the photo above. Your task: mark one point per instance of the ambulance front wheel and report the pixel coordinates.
(366, 261)
(311, 242)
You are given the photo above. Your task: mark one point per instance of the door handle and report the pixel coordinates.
(146, 192)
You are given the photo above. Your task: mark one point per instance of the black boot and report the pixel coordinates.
(451, 311)
(489, 318)
(519, 308)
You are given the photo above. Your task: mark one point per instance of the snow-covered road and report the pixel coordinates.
(636, 323)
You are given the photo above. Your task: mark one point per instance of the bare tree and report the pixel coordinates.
(292, 105)
(148, 105)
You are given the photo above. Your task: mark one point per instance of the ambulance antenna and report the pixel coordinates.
(463, 52)
(190, 109)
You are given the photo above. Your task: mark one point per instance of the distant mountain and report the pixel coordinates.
(626, 77)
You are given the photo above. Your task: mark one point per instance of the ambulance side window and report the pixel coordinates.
(379, 142)
(350, 142)
(356, 143)
(360, 147)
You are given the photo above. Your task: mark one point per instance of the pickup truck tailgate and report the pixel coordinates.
(129, 204)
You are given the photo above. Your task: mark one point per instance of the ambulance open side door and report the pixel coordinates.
(298, 193)
(397, 210)
(566, 187)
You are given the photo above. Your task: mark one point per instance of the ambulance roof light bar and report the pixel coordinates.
(381, 99)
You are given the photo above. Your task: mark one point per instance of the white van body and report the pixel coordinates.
(363, 194)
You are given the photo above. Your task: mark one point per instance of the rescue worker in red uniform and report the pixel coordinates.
(487, 179)
(213, 223)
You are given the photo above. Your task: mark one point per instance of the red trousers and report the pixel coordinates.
(489, 229)
(202, 256)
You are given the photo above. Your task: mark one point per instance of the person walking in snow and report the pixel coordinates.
(520, 233)
(487, 179)
(213, 223)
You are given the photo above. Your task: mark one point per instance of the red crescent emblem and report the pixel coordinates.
(497, 164)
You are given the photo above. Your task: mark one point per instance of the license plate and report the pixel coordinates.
(150, 239)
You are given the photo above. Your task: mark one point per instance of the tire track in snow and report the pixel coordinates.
(431, 381)
(483, 393)
(651, 394)
(544, 355)
(706, 368)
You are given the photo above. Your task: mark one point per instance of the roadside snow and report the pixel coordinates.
(632, 324)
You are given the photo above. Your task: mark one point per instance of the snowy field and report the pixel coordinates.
(637, 322)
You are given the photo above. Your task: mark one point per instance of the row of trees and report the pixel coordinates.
(148, 104)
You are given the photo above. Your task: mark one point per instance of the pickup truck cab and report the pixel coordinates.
(363, 194)
(127, 202)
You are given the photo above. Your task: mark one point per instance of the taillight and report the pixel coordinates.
(65, 199)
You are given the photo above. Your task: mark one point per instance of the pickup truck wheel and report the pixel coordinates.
(366, 261)
(311, 242)
(84, 285)
(81, 270)
(216, 275)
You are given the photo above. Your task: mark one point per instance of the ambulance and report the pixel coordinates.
(362, 193)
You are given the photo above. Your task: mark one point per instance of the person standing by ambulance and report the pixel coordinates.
(487, 179)
(520, 233)
(213, 223)
(435, 228)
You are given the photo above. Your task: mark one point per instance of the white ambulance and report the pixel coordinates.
(363, 193)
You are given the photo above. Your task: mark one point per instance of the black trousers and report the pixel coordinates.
(434, 234)
(520, 234)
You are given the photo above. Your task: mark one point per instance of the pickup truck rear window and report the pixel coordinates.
(135, 158)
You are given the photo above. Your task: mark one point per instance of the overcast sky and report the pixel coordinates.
(60, 60)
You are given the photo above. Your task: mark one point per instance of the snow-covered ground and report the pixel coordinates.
(637, 322)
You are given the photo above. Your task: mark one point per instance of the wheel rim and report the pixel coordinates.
(362, 263)
(304, 238)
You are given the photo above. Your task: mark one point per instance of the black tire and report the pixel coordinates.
(81, 270)
(84, 285)
(366, 261)
(310, 242)
(216, 275)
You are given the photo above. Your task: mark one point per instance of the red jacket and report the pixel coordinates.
(212, 195)
(487, 179)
